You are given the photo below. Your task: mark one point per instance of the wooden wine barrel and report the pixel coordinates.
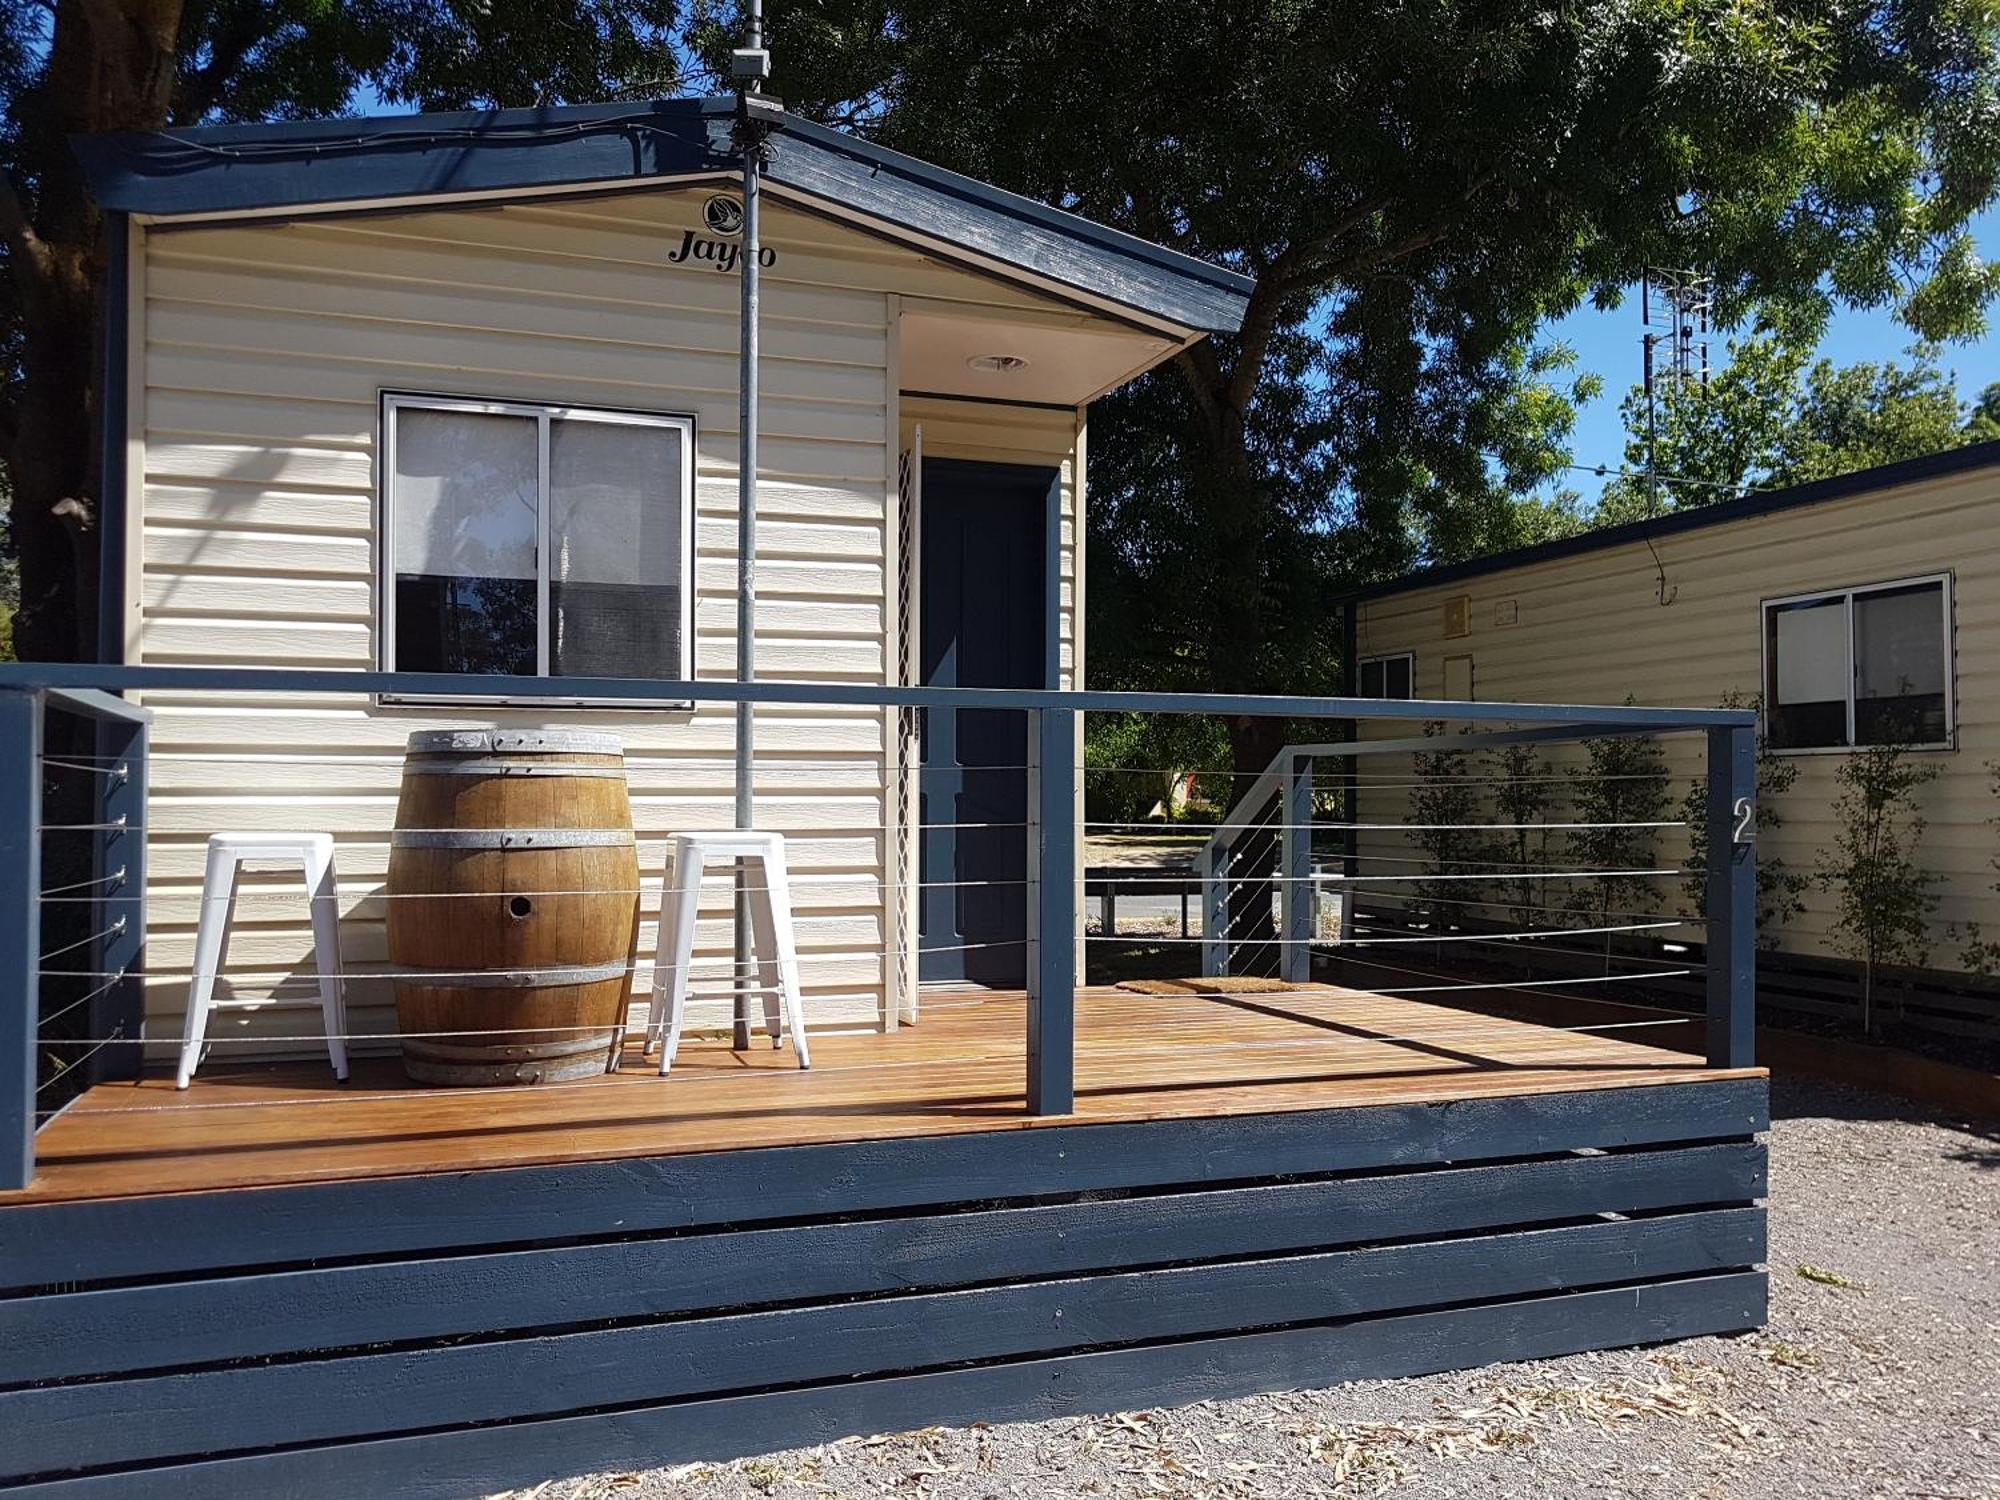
(513, 885)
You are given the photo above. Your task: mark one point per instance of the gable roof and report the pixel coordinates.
(1722, 513)
(324, 165)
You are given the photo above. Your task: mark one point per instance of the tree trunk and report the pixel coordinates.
(1238, 645)
(111, 67)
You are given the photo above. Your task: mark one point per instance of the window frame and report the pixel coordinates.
(1846, 594)
(1385, 658)
(390, 403)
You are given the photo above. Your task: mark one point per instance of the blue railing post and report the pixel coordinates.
(1732, 896)
(20, 929)
(1052, 896)
(1295, 890)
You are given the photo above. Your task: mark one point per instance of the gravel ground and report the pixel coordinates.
(1879, 1376)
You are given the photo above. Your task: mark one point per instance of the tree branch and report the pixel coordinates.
(1203, 373)
(200, 91)
(1310, 269)
(1296, 259)
(1260, 321)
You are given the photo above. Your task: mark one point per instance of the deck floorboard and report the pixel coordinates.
(1139, 1057)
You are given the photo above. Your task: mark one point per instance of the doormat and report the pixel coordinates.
(1226, 984)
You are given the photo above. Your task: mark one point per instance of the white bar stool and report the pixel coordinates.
(770, 929)
(312, 852)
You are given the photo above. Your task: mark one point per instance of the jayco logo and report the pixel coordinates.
(718, 253)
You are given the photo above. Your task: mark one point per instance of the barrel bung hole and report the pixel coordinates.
(519, 906)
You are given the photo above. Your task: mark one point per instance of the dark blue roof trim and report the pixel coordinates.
(322, 164)
(1744, 508)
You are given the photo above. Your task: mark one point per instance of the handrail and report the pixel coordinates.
(1250, 806)
(1288, 778)
(27, 689)
(118, 852)
(39, 676)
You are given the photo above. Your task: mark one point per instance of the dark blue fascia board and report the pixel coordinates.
(323, 164)
(638, 693)
(1007, 226)
(1745, 507)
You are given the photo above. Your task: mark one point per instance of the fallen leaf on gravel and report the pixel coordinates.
(1792, 1357)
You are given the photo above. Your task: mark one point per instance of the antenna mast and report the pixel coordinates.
(757, 115)
(1681, 303)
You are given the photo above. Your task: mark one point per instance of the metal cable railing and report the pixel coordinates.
(76, 918)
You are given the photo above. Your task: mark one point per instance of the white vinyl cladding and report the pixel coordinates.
(261, 355)
(1591, 629)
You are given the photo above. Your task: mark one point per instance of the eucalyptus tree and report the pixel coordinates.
(1415, 188)
(73, 66)
(1774, 416)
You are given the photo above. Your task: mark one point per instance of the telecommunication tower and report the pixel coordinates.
(1676, 307)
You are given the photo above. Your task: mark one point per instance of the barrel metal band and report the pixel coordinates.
(512, 979)
(510, 838)
(518, 741)
(509, 769)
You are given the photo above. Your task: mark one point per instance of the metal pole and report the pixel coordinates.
(1295, 894)
(1052, 914)
(1732, 897)
(746, 533)
(20, 930)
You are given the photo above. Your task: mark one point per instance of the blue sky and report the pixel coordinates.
(1607, 343)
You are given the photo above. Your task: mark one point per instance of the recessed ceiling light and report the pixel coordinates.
(996, 364)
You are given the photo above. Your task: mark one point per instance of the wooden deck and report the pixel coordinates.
(1139, 1057)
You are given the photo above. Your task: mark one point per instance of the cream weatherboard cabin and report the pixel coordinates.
(383, 422)
(1852, 610)
(428, 424)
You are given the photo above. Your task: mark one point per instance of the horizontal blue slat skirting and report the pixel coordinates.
(455, 1335)
(183, 1233)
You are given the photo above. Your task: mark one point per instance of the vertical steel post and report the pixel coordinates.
(1295, 889)
(751, 143)
(1350, 767)
(121, 869)
(1052, 911)
(1732, 896)
(1215, 912)
(20, 929)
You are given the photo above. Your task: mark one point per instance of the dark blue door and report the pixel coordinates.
(983, 555)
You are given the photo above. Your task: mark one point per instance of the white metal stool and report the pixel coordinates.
(313, 852)
(770, 898)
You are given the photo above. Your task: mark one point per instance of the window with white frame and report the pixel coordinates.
(1388, 676)
(1860, 666)
(528, 540)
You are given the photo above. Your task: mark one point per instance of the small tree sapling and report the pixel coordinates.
(1884, 899)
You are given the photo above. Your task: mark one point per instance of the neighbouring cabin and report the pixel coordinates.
(1851, 611)
(429, 426)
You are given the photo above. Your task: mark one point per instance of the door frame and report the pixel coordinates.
(1051, 665)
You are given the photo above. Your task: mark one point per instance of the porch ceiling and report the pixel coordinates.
(1066, 360)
